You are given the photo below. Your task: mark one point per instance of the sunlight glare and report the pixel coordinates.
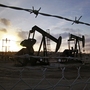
(12, 42)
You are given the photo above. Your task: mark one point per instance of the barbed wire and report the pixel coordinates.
(36, 12)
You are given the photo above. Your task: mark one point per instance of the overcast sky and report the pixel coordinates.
(20, 22)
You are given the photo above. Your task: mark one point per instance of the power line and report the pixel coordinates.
(36, 12)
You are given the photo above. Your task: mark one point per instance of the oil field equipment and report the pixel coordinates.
(74, 53)
(28, 43)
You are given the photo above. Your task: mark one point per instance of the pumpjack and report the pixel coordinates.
(70, 55)
(28, 43)
(75, 51)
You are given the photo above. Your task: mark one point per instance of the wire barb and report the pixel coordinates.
(36, 12)
(76, 21)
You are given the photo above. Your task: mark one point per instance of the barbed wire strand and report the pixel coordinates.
(36, 12)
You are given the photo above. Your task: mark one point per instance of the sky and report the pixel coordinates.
(15, 24)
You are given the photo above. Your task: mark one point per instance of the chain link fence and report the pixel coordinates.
(70, 77)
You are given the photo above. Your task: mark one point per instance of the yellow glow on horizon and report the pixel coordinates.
(11, 42)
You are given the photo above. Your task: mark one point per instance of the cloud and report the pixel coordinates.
(58, 25)
(22, 34)
(65, 32)
(3, 30)
(87, 47)
(5, 22)
(87, 38)
(75, 31)
(87, 43)
(64, 35)
(11, 29)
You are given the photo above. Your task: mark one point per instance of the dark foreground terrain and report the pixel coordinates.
(43, 77)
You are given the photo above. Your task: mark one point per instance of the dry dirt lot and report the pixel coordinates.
(29, 78)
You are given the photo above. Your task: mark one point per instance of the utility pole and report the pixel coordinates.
(5, 45)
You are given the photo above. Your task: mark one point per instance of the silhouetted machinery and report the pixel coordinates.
(71, 55)
(28, 43)
(74, 51)
(43, 41)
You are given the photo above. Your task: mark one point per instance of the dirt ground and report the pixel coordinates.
(43, 77)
